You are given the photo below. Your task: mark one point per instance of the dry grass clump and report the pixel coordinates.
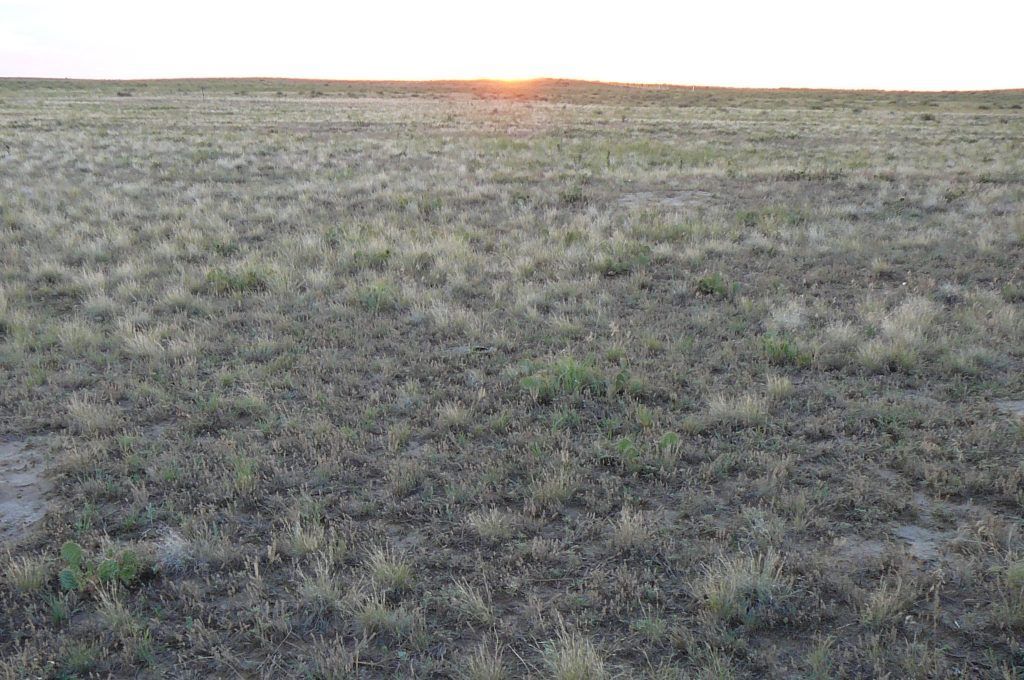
(744, 589)
(323, 589)
(27, 573)
(472, 603)
(787, 317)
(486, 662)
(388, 570)
(453, 415)
(745, 410)
(903, 334)
(1009, 610)
(886, 603)
(303, 537)
(375, 614)
(553, 488)
(492, 525)
(632, 530)
(91, 417)
(406, 476)
(779, 387)
(573, 657)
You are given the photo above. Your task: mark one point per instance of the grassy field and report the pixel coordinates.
(484, 380)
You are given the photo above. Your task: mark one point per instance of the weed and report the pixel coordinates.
(26, 573)
(473, 604)
(716, 285)
(632, 530)
(746, 590)
(485, 663)
(84, 573)
(379, 297)
(573, 657)
(236, 282)
(491, 525)
(388, 571)
(885, 604)
(564, 377)
(784, 352)
(747, 410)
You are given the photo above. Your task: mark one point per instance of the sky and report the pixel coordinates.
(890, 44)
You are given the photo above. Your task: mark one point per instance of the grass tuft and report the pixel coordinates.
(573, 657)
(745, 589)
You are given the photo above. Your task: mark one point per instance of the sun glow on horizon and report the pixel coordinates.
(792, 43)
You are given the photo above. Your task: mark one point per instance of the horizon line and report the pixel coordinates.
(517, 81)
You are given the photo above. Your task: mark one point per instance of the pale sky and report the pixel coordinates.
(889, 44)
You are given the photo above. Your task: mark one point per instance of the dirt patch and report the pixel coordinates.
(23, 489)
(856, 550)
(922, 543)
(1013, 407)
(670, 199)
(925, 543)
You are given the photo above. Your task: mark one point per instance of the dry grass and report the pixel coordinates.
(26, 573)
(632, 530)
(745, 589)
(404, 380)
(573, 657)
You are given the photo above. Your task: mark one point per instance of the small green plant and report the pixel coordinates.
(565, 376)
(628, 453)
(745, 590)
(59, 612)
(378, 297)
(623, 382)
(1013, 292)
(573, 196)
(652, 628)
(244, 473)
(783, 351)
(668, 441)
(619, 259)
(78, 659)
(668, 450)
(388, 571)
(83, 573)
(644, 416)
(370, 259)
(226, 282)
(86, 518)
(1010, 612)
(716, 285)
(565, 419)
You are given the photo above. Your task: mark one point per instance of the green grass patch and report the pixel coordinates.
(782, 351)
(236, 282)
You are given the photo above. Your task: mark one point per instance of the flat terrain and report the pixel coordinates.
(483, 380)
